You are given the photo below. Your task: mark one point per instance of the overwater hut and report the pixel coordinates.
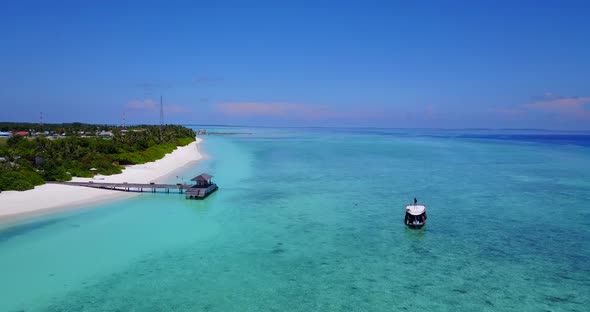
(203, 180)
(202, 188)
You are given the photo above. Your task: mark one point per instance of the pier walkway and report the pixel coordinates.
(202, 189)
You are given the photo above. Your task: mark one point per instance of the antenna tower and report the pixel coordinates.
(161, 117)
(161, 112)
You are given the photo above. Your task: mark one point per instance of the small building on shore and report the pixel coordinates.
(39, 160)
(105, 134)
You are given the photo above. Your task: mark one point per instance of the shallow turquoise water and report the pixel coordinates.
(311, 220)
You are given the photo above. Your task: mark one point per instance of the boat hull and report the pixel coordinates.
(415, 226)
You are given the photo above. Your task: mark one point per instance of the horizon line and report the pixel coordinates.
(298, 127)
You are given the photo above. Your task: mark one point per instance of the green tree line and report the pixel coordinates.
(73, 128)
(27, 162)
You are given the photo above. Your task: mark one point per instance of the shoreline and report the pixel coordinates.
(50, 198)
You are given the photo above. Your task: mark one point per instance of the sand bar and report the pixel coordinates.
(51, 197)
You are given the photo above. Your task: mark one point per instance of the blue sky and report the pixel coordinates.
(426, 64)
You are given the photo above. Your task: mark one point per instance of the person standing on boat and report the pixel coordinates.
(415, 201)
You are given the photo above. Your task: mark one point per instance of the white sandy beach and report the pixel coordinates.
(49, 197)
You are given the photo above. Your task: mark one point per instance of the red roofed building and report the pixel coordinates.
(23, 133)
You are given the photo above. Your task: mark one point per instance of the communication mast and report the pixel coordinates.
(161, 117)
(41, 120)
(161, 112)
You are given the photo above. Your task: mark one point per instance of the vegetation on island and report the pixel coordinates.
(68, 129)
(60, 152)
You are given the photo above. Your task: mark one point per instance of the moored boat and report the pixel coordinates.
(415, 216)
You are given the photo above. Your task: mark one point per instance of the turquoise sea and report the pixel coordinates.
(312, 220)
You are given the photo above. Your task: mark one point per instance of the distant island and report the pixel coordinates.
(31, 154)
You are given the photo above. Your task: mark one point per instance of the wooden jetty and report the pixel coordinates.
(203, 187)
